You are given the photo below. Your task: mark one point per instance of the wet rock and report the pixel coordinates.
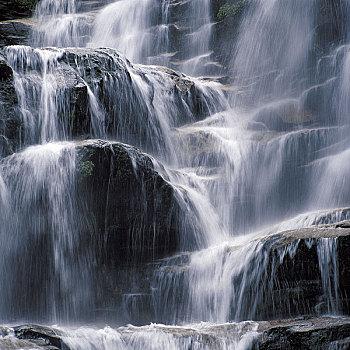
(308, 334)
(315, 101)
(134, 210)
(290, 334)
(15, 32)
(330, 27)
(70, 90)
(100, 93)
(307, 273)
(43, 337)
(11, 9)
(227, 16)
(282, 116)
(123, 216)
(9, 113)
(133, 217)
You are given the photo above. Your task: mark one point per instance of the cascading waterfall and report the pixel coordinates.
(140, 29)
(295, 149)
(198, 20)
(125, 25)
(248, 162)
(41, 174)
(58, 24)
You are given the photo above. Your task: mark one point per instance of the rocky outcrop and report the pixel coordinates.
(15, 32)
(100, 93)
(118, 214)
(226, 16)
(306, 272)
(39, 336)
(134, 210)
(11, 9)
(309, 334)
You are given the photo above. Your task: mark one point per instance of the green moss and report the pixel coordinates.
(230, 10)
(26, 4)
(86, 168)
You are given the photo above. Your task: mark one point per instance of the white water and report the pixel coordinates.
(58, 24)
(140, 29)
(39, 175)
(124, 25)
(203, 336)
(265, 162)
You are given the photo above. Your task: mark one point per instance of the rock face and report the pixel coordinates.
(98, 93)
(308, 334)
(12, 9)
(121, 215)
(9, 113)
(15, 32)
(134, 217)
(306, 273)
(135, 210)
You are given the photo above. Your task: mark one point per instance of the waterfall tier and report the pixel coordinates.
(178, 165)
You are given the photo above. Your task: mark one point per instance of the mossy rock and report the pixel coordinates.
(26, 5)
(230, 10)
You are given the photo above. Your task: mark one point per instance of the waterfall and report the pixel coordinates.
(140, 29)
(198, 20)
(209, 206)
(273, 48)
(58, 24)
(39, 175)
(130, 27)
(125, 25)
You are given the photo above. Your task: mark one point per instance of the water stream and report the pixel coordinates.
(267, 154)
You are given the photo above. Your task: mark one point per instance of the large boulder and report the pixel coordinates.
(100, 93)
(302, 272)
(94, 215)
(134, 209)
(309, 334)
(18, 105)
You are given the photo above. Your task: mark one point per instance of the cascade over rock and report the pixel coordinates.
(178, 165)
(321, 333)
(104, 94)
(114, 180)
(106, 186)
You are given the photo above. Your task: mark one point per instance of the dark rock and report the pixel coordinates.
(9, 113)
(135, 211)
(343, 224)
(292, 284)
(308, 334)
(125, 97)
(15, 32)
(227, 16)
(331, 25)
(322, 333)
(133, 218)
(12, 9)
(126, 215)
(43, 337)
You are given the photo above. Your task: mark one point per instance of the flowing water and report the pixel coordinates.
(140, 29)
(267, 155)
